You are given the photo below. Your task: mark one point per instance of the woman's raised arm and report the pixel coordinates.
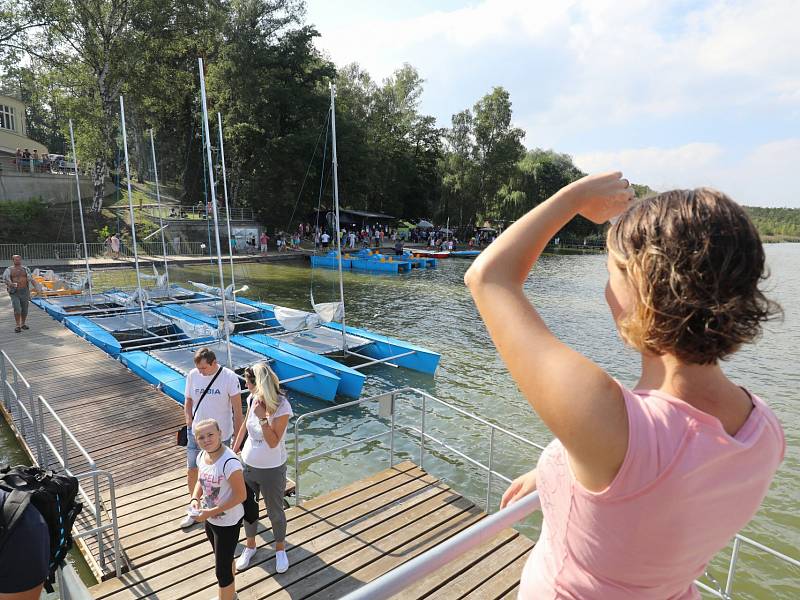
(578, 401)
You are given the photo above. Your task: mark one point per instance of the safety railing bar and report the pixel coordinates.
(474, 417)
(16, 370)
(375, 361)
(394, 582)
(343, 447)
(64, 428)
(767, 549)
(91, 532)
(713, 591)
(60, 459)
(13, 391)
(455, 451)
(21, 405)
(296, 378)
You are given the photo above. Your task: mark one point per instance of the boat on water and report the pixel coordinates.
(363, 260)
(423, 253)
(167, 368)
(464, 253)
(83, 303)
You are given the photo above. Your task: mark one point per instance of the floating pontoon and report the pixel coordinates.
(168, 368)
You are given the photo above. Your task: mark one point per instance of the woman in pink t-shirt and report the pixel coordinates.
(641, 487)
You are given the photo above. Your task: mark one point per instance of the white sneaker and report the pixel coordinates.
(187, 522)
(281, 561)
(244, 560)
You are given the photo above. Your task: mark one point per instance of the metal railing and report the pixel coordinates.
(398, 579)
(195, 212)
(66, 251)
(387, 409)
(29, 422)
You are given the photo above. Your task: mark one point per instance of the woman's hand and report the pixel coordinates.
(601, 197)
(205, 514)
(519, 488)
(259, 409)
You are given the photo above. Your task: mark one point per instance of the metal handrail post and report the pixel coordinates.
(44, 457)
(391, 433)
(34, 424)
(422, 437)
(298, 500)
(64, 449)
(19, 413)
(489, 474)
(98, 517)
(4, 380)
(732, 567)
(114, 525)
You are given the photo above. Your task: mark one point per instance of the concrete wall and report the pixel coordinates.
(51, 188)
(198, 231)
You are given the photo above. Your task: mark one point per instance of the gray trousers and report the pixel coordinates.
(271, 485)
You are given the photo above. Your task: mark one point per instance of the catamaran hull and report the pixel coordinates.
(322, 384)
(382, 347)
(351, 381)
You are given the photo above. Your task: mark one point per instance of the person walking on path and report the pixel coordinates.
(212, 392)
(19, 280)
(264, 457)
(217, 501)
(643, 486)
(115, 246)
(264, 241)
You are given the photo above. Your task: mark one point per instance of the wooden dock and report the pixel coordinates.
(335, 542)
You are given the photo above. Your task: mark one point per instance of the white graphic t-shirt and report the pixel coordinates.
(256, 451)
(217, 402)
(216, 488)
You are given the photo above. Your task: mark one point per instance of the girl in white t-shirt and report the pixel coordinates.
(264, 457)
(217, 500)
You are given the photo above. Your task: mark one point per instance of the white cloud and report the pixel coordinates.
(759, 178)
(585, 74)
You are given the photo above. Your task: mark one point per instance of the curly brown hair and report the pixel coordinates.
(694, 261)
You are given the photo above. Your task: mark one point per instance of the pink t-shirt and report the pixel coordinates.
(684, 489)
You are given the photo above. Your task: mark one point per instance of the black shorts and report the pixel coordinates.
(25, 555)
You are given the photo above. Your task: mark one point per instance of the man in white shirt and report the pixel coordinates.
(325, 240)
(222, 402)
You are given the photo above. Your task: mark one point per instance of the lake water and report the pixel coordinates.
(433, 309)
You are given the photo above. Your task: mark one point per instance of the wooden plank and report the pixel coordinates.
(467, 561)
(303, 525)
(339, 569)
(146, 546)
(489, 566)
(318, 555)
(511, 594)
(504, 580)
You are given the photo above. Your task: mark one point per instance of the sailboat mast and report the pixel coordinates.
(227, 208)
(80, 212)
(158, 203)
(336, 206)
(130, 208)
(214, 207)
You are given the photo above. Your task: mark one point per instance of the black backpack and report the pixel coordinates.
(53, 495)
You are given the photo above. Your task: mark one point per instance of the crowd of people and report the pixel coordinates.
(26, 161)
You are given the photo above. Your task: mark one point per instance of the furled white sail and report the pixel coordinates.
(328, 311)
(292, 319)
(136, 296)
(215, 291)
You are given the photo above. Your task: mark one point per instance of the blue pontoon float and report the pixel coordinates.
(168, 368)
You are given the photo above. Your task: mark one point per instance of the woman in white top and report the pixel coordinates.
(264, 457)
(217, 501)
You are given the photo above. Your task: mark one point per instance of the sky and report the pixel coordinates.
(674, 93)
